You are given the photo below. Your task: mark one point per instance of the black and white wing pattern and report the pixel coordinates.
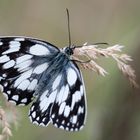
(35, 68)
(22, 62)
(63, 103)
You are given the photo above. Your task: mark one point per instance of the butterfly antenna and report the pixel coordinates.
(69, 35)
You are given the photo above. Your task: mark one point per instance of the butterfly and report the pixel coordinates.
(33, 70)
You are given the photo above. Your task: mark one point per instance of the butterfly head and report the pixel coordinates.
(68, 50)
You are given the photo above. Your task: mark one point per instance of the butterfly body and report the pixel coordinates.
(35, 68)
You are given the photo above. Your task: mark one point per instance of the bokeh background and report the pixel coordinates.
(113, 106)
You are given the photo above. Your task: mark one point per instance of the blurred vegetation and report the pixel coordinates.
(113, 106)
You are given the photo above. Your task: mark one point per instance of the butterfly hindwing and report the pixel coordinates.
(22, 64)
(40, 110)
(63, 103)
(69, 109)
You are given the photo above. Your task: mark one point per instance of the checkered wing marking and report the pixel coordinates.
(22, 64)
(69, 109)
(65, 106)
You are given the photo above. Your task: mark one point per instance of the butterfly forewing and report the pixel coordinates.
(22, 64)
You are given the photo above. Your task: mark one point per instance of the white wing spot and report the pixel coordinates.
(55, 125)
(62, 107)
(24, 100)
(4, 59)
(41, 68)
(5, 84)
(71, 76)
(53, 115)
(8, 92)
(80, 110)
(34, 114)
(10, 50)
(23, 85)
(23, 76)
(33, 84)
(63, 121)
(74, 119)
(62, 127)
(81, 127)
(67, 111)
(23, 58)
(15, 97)
(41, 124)
(39, 50)
(71, 129)
(35, 122)
(32, 108)
(9, 64)
(81, 90)
(14, 44)
(44, 119)
(23, 65)
(60, 94)
(4, 75)
(67, 128)
(44, 95)
(77, 123)
(63, 94)
(56, 82)
(44, 104)
(14, 47)
(77, 96)
(37, 118)
(1, 43)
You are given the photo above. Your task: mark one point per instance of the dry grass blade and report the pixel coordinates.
(92, 65)
(8, 116)
(6, 131)
(94, 52)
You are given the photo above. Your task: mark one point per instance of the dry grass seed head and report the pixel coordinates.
(94, 52)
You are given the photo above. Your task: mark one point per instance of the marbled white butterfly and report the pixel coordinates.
(35, 68)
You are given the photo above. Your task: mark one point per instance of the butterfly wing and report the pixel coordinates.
(22, 62)
(65, 106)
(69, 109)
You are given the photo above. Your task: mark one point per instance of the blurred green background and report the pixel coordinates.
(113, 106)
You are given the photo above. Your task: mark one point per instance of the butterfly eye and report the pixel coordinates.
(68, 51)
